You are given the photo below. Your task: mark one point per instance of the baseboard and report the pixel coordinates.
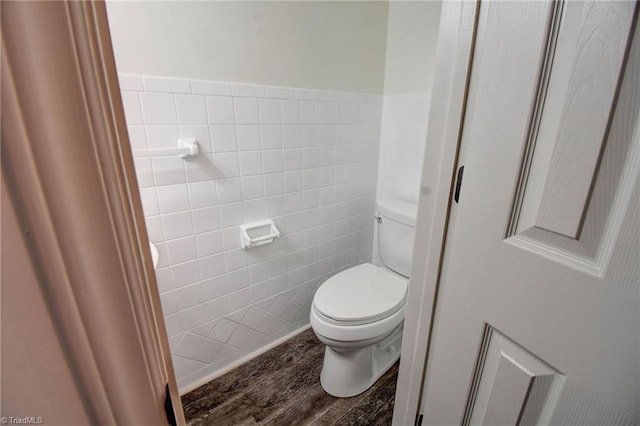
(241, 361)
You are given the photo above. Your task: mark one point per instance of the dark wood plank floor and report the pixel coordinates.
(282, 387)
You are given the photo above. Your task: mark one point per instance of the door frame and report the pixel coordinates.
(68, 170)
(454, 53)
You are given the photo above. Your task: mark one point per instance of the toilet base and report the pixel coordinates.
(349, 372)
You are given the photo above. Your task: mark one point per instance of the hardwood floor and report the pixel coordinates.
(282, 387)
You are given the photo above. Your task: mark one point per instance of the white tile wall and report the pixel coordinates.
(402, 140)
(306, 159)
(403, 137)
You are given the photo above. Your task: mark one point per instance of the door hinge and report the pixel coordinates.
(456, 194)
(419, 420)
(168, 407)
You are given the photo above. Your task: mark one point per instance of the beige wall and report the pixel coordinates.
(411, 45)
(321, 45)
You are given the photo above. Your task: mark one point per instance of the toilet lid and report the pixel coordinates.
(364, 292)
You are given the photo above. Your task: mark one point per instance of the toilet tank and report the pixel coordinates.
(396, 231)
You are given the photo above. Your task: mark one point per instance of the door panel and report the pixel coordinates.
(585, 68)
(537, 319)
(566, 165)
(514, 386)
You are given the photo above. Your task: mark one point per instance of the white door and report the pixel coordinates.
(537, 318)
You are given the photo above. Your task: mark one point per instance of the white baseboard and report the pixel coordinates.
(239, 362)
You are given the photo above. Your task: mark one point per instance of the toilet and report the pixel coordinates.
(358, 313)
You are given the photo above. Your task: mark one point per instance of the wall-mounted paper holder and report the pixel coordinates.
(258, 233)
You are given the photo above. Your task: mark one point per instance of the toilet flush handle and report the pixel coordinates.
(379, 219)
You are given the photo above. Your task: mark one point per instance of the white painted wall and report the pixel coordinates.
(316, 45)
(412, 31)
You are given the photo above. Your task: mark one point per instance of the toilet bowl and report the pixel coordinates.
(358, 313)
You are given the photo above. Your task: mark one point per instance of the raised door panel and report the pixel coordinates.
(567, 205)
(584, 79)
(512, 386)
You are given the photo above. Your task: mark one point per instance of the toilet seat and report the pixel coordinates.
(362, 303)
(349, 334)
(360, 295)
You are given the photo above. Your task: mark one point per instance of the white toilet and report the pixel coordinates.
(358, 313)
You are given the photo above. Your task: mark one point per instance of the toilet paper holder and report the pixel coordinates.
(258, 233)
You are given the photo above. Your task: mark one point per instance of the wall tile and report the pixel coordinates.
(293, 181)
(274, 206)
(227, 165)
(254, 210)
(214, 287)
(310, 112)
(246, 111)
(172, 198)
(223, 138)
(177, 225)
(162, 136)
(154, 229)
(293, 202)
(250, 163)
(402, 139)
(310, 135)
(158, 108)
(291, 112)
(130, 82)
(132, 108)
(273, 184)
(270, 112)
(204, 87)
(211, 266)
(168, 170)
(230, 214)
(166, 84)
(209, 243)
(271, 137)
(252, 187)
(206, 219)
(144, 172)
(280, 93)
(327, 112)
(137, 137)
(272, 161)
(191, 109)
(248, 137)
(184, 274)
(202, 194)
(229, 191)
(149, 201)
(182, 250)
(220, 110)
(246, 90)
(291, 136)
(292, 159)
(231, 238)
(267, 152)
(235, 259)
(201, 168)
